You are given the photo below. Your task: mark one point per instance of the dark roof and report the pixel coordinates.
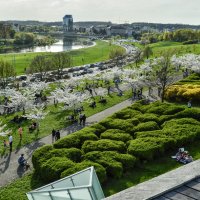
(188, 191)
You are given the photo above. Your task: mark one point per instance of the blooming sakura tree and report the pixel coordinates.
(36, 114)
(187, 61)
(3, 132)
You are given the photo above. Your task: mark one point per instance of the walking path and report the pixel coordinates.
(9, 168)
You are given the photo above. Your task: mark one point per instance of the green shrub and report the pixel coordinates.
(52, 169)
(98, 129)
(184, 133)
(41, 155)
(173, 110)
(104, 145)
(181, 121)
(68, 141)
(116, 134)
(159, 110)
(100, 170)
(148, 148)
(148, 117)
(127, 113)
(146, 126)
(121, 124)
(72, 154)
(155, 133)
(86, 134)
(165, 118)
(128, 161)
(133, 121)
(189, 113)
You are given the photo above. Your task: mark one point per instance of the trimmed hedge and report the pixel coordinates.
(52, 169)
(148, 148)
(116, 134)
(127, 113)
(68, 141)
(189, 113)
(41, 155)
(98, 129)
(146, 126)
(73, 154)
(182, 122)
(100, 170)
(104, 145)
(148, 117)
(121, 124)
(156, 133)
(128, 161)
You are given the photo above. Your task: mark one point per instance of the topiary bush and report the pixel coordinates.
(98, 129)
(171, 110)
(73, 154)
(41, 155)
(189, 113)
(68, 141)
(148, 117)
(116, 134)
(155, 133)
(104, 145)
(52, 169)
(127, 113)
(128, 161)
(121, 124)
(146, 126)
(148, 148)
(100, 170)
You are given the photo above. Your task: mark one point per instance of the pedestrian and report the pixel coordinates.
(20, 130)
(10, 138)
(189, 104)
(83, 119)
(57, 135)
(53, 133)
(80, 118)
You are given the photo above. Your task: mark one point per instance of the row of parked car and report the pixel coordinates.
(77, 71)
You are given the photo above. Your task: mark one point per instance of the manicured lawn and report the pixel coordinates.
(140, 174)
(99, 52)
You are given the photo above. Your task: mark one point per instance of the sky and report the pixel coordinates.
(116, 11)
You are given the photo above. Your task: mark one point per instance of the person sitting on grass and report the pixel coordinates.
(33, 126)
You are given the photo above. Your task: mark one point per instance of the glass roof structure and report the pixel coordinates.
(83, 185)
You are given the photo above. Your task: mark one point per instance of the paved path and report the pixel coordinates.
(9, 168)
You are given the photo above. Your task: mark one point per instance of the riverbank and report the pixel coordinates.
(97, 53)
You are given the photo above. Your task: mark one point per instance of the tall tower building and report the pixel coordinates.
(67, 23)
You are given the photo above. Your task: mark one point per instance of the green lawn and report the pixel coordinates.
(140, 174)
(99, 52)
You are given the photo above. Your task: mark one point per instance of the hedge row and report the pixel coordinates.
(104, 145)
(116, 134)
(138, 132)
(114, 163)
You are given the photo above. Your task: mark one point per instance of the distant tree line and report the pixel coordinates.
(187, 36)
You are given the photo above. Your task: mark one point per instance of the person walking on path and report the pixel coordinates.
(80, 118)
(57, 135)
(20, 131)
(10, 138)
(53, 133)
(83, 119)
(189, 104)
